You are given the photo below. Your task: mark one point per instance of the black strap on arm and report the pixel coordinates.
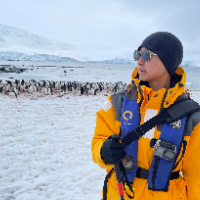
(105, 184)
(168, 115)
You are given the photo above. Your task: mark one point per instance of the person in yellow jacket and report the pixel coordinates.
(157, 83)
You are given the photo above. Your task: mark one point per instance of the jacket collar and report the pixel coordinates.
(177, 88)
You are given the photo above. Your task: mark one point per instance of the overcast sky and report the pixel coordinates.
(106, 29)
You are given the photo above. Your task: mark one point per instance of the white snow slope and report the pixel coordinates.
(14, 39)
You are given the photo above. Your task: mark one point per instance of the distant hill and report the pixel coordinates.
(115, 61)
(9, 55)
(15, 56)
(45, 57)
(14, 37)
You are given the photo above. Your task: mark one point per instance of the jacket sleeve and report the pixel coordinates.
(191, 165)
(105, 126)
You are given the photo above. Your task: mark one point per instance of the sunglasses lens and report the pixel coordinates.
(136, 55)
(145, 55)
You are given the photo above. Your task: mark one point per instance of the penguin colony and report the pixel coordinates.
(59, 88)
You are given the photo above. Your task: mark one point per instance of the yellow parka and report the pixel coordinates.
(186, 186)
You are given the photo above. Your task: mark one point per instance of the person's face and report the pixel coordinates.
(151, 71)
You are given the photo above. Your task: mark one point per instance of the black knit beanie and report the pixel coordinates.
(168, 47)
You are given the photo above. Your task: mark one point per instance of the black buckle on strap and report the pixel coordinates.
(144, 173)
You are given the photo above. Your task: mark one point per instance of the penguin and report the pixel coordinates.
(1, 87)
(15, 90)
(69, 85)
(92, 91)
(110, 86)
(82, 90)
(47, 90)
(43, 89)
(22, 86)
(64, 87)
(100, 87)
(51, 86)
(74, 85)
(54, 84)
(95, 91)
(16, 82)
(61, 93)
(6, 87)
(30, 89)
(22, 82)
(57, 85)
(116, 88)
(73, 90)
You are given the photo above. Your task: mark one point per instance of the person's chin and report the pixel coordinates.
(143, 78)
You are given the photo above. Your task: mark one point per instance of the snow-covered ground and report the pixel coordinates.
(45, 149)
(45, 143)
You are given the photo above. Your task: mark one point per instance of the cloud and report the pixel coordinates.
(106, 27)
(184, 24)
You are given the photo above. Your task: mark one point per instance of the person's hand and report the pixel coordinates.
(113, 150)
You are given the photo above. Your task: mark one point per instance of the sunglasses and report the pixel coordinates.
(146, 55)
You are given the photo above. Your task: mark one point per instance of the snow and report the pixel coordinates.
(14, 37)
(45, 143)
(46, 148)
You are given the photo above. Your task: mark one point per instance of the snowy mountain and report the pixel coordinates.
(115, 61)
(13, 37)
(7, 55)
(190, 63)
(10, 55)
(36, 57)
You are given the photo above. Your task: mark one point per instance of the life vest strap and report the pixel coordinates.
(144, 173)
(105, 184)
(127, 182)
(169, 115)
(139, 131)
